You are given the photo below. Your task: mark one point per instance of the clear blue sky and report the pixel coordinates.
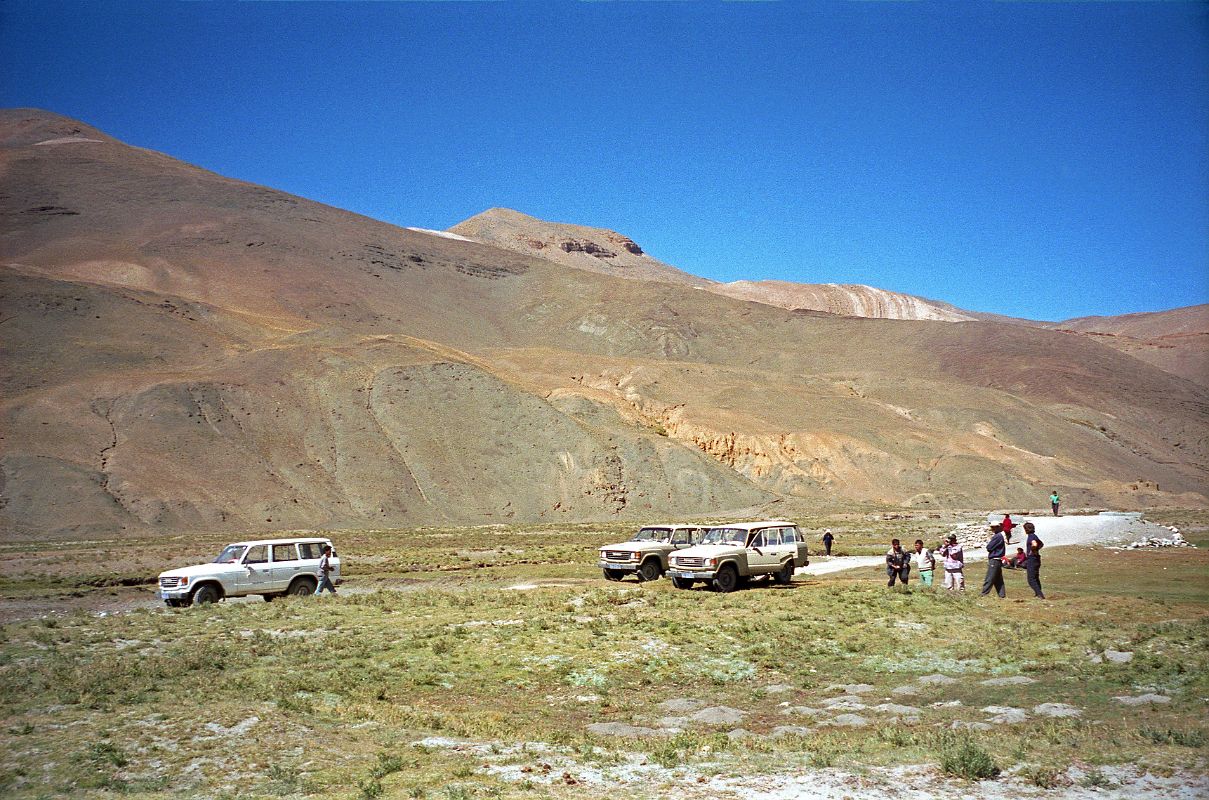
(1040, 160)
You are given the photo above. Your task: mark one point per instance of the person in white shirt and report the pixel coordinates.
(925, 562)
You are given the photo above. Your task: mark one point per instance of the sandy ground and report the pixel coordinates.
(1104, 528)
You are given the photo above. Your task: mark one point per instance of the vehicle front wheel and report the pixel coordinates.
(302, 586)
(205, 594)
(726, 579)
(649, 571)
(174, 603)
(611, 575)
(683, 583)
(785, 575)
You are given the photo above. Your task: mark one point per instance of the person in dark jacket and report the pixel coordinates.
(1032, 559)
(898, 563)
(827, 540)
(996, 547)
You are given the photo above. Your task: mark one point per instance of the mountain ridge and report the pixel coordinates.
(183, 351)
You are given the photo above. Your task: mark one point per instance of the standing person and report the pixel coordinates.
(1054, 500)
(1007, 526)
(925, 562)
(827, 540)
(898, 563)
(996, 548)
(325, 571)
(954, 563)
(1032, 559)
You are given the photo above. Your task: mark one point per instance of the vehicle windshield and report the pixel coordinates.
(724, 536)
(652, 535)
(231, 554)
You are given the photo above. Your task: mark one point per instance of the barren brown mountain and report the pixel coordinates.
(183, 351)
(1176, 340)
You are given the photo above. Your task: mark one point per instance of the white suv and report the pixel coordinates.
(267, 567)
(730, 555)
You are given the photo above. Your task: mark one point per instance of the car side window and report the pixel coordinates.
(308, 550)
(682, 536)
(757, 540)
(257, 555)
(284, 552)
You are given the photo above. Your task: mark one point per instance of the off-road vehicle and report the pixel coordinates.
(267, 567)
(646, 554)
(730, 555)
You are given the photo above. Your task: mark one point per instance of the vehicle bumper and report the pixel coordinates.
(691, 574)
(179, 593)
(619, 566)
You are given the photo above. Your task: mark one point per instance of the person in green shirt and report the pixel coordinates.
(1054, 500)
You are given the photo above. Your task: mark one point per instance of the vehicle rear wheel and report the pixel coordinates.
(302, 586)
(612, 574)
(726, 579)
(649, 571)
(683, 583)
(205, 594)
(785, 575)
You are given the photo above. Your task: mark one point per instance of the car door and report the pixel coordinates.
(787, 546)
(760, 557)
(802, 556)
(286, 565)
(257, 571)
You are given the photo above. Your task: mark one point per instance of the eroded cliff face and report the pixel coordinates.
(882, 452)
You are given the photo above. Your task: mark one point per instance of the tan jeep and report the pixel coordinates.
(646, 554)
(729, 555)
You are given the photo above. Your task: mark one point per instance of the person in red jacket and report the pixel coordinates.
(1007, 526)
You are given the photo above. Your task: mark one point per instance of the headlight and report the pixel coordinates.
(635, 556)
(713, 562)
(184, 582)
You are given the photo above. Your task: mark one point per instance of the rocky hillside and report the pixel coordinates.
(848, 300)
(182, 352)
(1176, 341)
(579, 246)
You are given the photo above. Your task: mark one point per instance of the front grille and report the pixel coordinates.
(690, 561)
(169, 583)
(617, 555)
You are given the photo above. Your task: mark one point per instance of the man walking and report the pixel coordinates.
(325, 571)
(996, 547)
(898, 563)
(827, 540)
(1054, 500)
(1032, 559)
(955, 564)
(925, 562)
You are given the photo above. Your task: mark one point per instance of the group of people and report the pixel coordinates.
(952, 558)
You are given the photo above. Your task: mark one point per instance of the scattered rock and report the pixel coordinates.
(740, 733)
(1012, 680)
(778, 688)
(1006, 715)
(623, 729)
(672, 722)
(680, 705)
(959, 724)
(719, 715)
(238, 729)
(850, 688)
(805, 711)
(1118, 656)
(948, 704)
(895, 708)
(1143, 699)
(1057, 710)
(844, 703)
(936, 680)
(848, 721)
(791, 730)
(1177, 540)
(907, 690)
